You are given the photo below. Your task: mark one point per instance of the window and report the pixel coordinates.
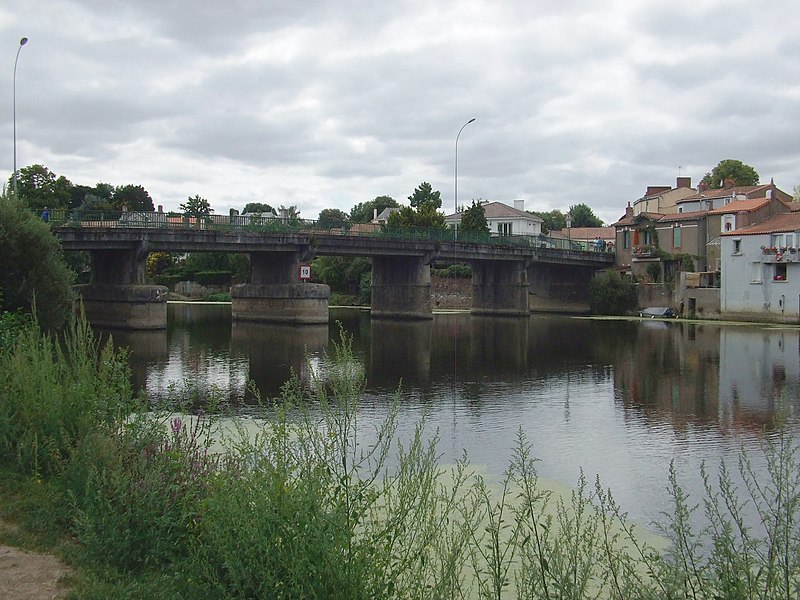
(755, 272)
(780, 272)
(504, 228)
(676, 236)
(778, 240)
(728, 222)
(737, 246)
(626, 239)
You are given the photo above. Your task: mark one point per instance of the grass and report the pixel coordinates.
(159, 505)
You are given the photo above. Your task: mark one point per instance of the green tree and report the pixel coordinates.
(583, 216)
(258, 208)
(132, 197)
(611, 294)
(424, 216)
(363, 212)
(735, 170)
(424, 195)
(474, 219)
(332, 217)
(197, 207)
(553, 220)
(38, 187)
(32, 269)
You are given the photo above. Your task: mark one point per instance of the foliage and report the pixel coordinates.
(223, 297)
(213, 277)
(158, 262)
(363, 212)
(730, 169)
(583, 216)
(38, 187)
(32, 269)
(796, 195)
(132, 197)
(424, 195)
(473, 219)
(686, 262)
(258, 208)
(332, 217)
(343, 274)
(611, 294)
(553, 220)
(197, 207)
(453, 272)
(289, 212)
(654, 271)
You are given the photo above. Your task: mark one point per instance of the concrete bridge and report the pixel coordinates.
(509, 277)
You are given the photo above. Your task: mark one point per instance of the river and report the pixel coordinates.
(616, 398)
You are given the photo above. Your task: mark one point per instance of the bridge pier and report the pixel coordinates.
(275, 295)
(117, 296)
(401, 287)
(559, 288)
(499, 287)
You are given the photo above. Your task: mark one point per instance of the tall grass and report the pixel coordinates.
(300, 506)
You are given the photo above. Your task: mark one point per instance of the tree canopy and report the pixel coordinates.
(473, 220)
(38, 187)
(132, 197)
(197, 207)
(332, 217)
(730, 169)
(258, 208)
(583, 216)
(32, 269)
(553, 220)
(424, 195)
(363, 212)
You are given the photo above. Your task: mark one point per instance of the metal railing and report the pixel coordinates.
(268, 224)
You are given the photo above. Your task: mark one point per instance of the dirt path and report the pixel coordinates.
(30, 576)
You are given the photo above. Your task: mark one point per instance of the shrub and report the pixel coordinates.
(454, 272)
(213, 277)
(611, 294)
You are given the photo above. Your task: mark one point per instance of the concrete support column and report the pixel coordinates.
(276, 295)
(117, 295)
(401, 287)
(559, 288)
(499, 288)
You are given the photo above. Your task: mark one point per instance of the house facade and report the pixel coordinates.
(761, 270)
(505, 220)
(663, 199)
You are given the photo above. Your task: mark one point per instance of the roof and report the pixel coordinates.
(384, 216)
(740, 206)
(724, 192)
(777, 224)
(684, 216)
(498, 210)
(631, 219)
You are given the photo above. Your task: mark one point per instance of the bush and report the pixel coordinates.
(454, 272)
(213, 277)
(611, 294)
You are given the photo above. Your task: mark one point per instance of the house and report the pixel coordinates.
(505, 220)
(761, 270)
(663, 199)
(708, 199)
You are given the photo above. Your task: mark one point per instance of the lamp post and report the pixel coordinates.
(456, 175)
(22, 42)
(569, 230)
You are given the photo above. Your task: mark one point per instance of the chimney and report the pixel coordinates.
(653, 190)
(160, 208)
(628, 211)
(519, 204)
(683, 182)
(374, 215)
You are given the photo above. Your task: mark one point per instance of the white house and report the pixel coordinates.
(760, 268)
(505, 220)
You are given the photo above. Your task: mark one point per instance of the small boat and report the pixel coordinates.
(657, 312)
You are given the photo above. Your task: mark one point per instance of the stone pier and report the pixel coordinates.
(499, 288)
(559, 288)
(401, 287)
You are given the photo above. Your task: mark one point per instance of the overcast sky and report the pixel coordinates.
(325, 104)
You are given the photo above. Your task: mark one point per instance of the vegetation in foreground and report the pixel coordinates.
(148, 504)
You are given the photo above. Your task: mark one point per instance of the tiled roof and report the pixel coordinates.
(777, 224)
(724, 192)
(684, 216)
(498, 210)
(629, 220)
(740, 206)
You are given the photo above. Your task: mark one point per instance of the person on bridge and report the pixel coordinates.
(45, 215)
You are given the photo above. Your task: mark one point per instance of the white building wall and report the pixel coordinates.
(748, 283)
(519, 226)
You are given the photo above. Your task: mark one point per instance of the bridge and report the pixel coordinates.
(511, 276)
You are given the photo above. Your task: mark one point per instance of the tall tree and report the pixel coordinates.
(38, 187)
(583, 216)
(258, 208)
(197, 207)
(425, 195)
(735, 170)
(553, 220)
(132, 197)
(332, 217)
(363, 212)
(473, 220)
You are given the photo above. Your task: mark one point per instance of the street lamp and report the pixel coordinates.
(22, 42)
(569, 230)
(456, 175)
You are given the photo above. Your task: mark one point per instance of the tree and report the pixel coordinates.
(257, 208)
(332, 217)
(132, 197)
(473, 220)
(424, 195)
(424, 216)
(796, 196)
(553, 220)
(730, 169)
(32, 269)
(363, 212)
(38, 187)
(197, 207)
(289, 212)
(612, 294)
(583, 216)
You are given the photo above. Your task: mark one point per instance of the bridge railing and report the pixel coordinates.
(269, 224)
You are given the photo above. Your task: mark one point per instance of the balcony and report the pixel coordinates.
(772, 255)
(645, 251)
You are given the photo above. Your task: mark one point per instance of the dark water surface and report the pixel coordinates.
(617, 398)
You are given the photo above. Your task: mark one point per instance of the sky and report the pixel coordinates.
(326, 104)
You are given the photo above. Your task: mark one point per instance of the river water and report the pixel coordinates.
(615, 398)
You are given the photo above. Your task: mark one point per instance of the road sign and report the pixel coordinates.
(305, 272)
